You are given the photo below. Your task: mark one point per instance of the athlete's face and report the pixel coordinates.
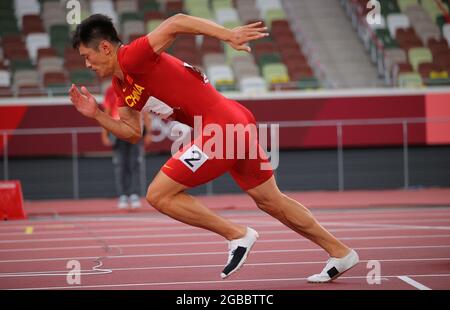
(100, 60)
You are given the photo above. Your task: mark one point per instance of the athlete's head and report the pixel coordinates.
(97, 41)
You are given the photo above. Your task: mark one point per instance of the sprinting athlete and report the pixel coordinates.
(145, 78)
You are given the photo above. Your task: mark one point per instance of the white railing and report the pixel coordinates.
(338, 124)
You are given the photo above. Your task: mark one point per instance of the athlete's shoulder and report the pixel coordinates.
(137, 56)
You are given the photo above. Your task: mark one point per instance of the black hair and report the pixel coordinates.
(93, 30)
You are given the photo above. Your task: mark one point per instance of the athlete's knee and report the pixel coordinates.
(158, 199)
(269, 202)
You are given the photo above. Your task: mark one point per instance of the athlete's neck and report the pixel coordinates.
(117, 70)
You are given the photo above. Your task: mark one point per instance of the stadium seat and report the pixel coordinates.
(275, 73)
(192, 4)
(389, 7)
(174, 7)
(446, 33)
(266, 5)
(392, 57)
(225, 15)
(211, 45)
(5, 78)
(150, 6)
(433, 10)
(438, 45)
(404, 4)
(396, 21)
(213, 59)
(26, 78)
(82, 77)
(32, 23)
(34, 41)
(385, 38)
(419, 55)
(132, 27)
(20, 64)
(8, 24)
(126, 6)
(153, 24)
(407, 38)
(244, 70)
(25, 7)
(252, 85)
(410, 80)
(221, 4)
(231, 53)
(104, 7)
(221, 76)
(272, 15)
(59, 37)
(50, 64)
(249, 14)
(270, 58)
(442, 58)
(430, 70)
(308, 83)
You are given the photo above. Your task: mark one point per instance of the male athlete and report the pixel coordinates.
(146, 78)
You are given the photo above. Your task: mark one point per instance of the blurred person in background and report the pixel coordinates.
(127, 157)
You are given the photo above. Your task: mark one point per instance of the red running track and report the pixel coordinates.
(151, 251)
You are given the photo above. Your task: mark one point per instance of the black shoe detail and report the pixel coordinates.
(238, 255)
(333, 272)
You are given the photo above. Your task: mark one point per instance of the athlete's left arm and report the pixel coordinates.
(163, 36)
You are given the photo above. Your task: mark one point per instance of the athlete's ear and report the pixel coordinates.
(105, 47)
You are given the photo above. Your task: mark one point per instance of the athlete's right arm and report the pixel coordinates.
(128, 128)
(163, 36)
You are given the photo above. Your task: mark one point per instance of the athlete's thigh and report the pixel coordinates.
(249, 173)
(192, 166)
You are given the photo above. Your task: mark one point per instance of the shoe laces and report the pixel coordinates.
(231, 252)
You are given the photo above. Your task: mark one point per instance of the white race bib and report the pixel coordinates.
(194, 158)
(156, 106)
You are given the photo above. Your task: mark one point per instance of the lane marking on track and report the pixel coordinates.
(184, 267)
(171, 244)
(189, 283)
(214, 253)
(258, 223)
(414, 283)
(203, 234)
(388, 225)
(152, 218)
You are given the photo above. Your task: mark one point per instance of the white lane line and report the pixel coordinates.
(387, 225)
(50, 227)
(148, 217)
(214, 253)
(184, 267)
(81, 229)
(172, 244)
(414, 283)
(203, 234)
(188, 283)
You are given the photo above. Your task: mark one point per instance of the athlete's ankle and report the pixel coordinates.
(340, 253)
(237, 233)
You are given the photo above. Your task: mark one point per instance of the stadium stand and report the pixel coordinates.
(312, 43)
(411, 45)
(330, 44)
